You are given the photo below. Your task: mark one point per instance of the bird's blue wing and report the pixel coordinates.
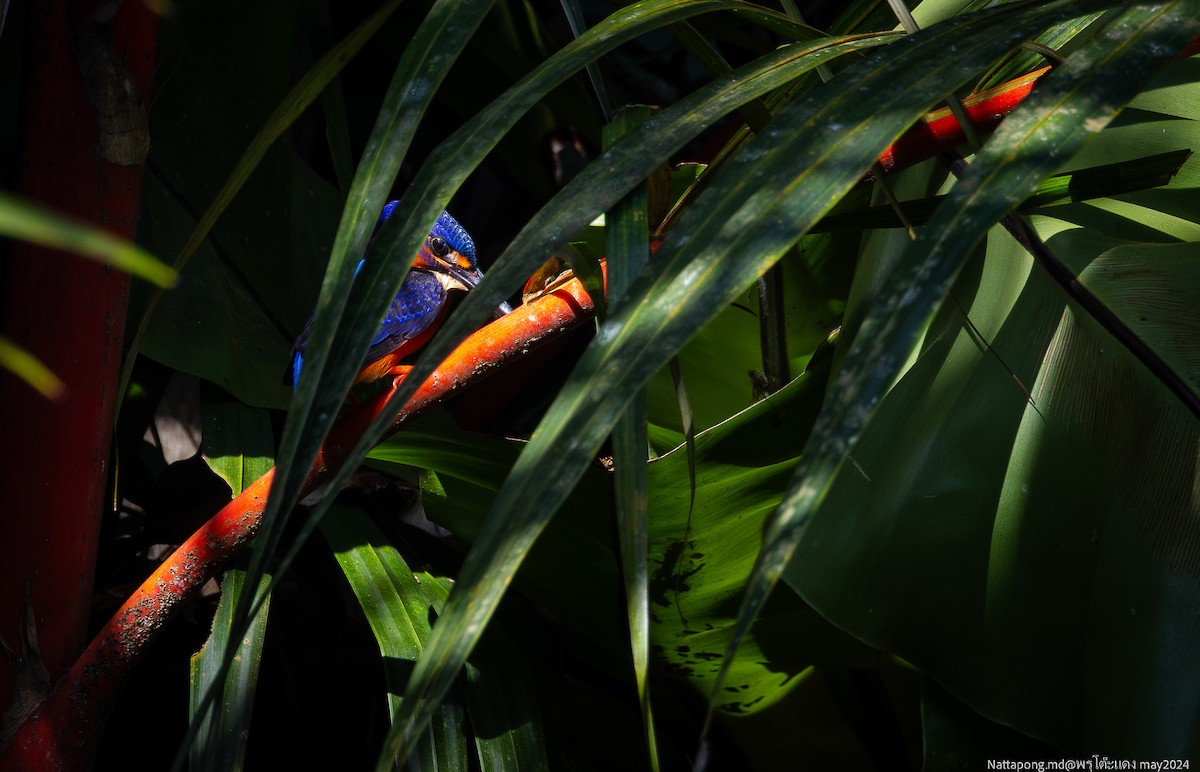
(414, 308)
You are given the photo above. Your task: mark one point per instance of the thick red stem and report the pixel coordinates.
(940, 131)
(70, 313)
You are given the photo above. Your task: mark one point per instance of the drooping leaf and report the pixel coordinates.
(30, 369)
(21, 219)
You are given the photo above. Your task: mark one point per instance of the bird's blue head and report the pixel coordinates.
(449, 253)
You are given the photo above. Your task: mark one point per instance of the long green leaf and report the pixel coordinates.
(400, 606)
(757, 206)
(503, 708)
(224, 724)
(628, 236)
(30, 369)
(20, 219)
(391, 598)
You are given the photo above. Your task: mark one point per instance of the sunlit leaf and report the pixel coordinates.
(21, 219)
(30, 369)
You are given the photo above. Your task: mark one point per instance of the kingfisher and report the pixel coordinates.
(446, 261)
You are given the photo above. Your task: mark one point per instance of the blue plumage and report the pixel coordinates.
(446, 259)
(411, 312)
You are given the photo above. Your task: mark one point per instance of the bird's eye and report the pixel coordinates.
(438, 246)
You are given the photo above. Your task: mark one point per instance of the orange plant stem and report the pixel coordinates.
(940, 131)
(63, 732)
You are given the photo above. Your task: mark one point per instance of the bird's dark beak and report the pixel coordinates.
(458, 268)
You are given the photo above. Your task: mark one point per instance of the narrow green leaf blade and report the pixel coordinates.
(628, 236)
(224, 727)
(1067, 188)
(385, 588)
(30, 369)
(21, 219)
(238, 445)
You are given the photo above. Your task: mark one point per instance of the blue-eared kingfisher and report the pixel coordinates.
(446, 261)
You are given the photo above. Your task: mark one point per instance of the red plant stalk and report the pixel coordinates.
(63, 732)
(81, 150)
(940, 131)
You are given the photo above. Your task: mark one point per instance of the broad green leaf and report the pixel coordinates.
(577, 556)
(230, 320)
(237, 441)
(951, 554)
(238, 445)
(214, 327)
(397, 603)
(503, 708)
(1167, 94)
(224, 728)
(1062, 538)
(702, 555)
(400, 606)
